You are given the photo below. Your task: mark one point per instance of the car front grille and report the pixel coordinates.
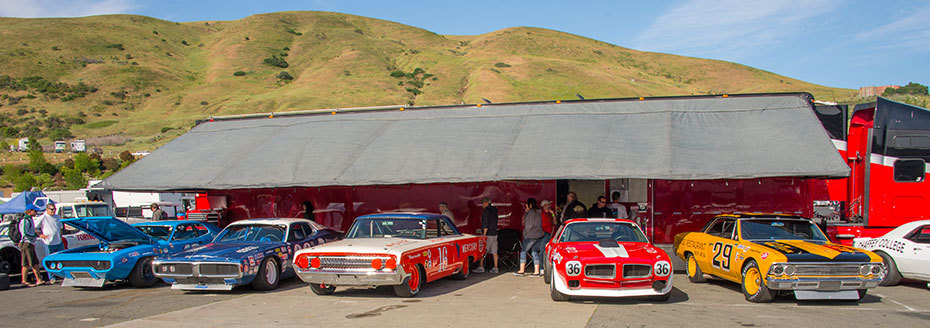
(97, 265)
(636, 271)
(175, 268)
(349, 263)
(600, 270)
(214, 269)
(827, 269)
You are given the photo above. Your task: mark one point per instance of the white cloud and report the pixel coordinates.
(72, 8)
(911, 33)
(729, 29)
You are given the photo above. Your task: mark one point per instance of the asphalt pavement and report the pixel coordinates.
(499, 300)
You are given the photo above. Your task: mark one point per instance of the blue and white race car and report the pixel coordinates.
(124, 253)
(256, 252)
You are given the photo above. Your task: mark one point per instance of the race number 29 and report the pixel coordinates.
(573, 268)
(722, 255)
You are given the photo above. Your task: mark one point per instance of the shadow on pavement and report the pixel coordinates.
(677, 296)
(430, 289)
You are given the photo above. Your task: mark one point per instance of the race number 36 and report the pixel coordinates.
(573, 268)
(662, 268)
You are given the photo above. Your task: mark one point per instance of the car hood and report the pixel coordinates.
(223, 251)
(109, 229)
(372, 245)
(624, 250)
(813, 251)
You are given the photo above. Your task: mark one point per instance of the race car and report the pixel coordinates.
(254, 251)
(767, 253)
(403, 250)
(124, 253)
(607, 258)
(10, 254)
(905, 251)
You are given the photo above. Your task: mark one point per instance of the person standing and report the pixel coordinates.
(444, 210)
(308, 211)
(548, 226)
(489, 229)
(157, 213)
(619, 210)
(50, 223)
(532, 234)
(573, 208)
(600, 209)
(26, 245)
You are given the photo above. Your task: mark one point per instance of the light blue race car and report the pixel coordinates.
(125, 252)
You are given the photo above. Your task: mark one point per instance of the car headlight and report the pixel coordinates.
(778, 269)
(791, 269)
(877, 269)
(865, 269)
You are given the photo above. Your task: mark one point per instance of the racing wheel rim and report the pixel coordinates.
(271, 272)
(752, 281)
(692, 266)
(414, 280)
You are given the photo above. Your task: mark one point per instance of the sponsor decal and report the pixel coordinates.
(469, 247)
(693, 245)
(246, 249)
(124, 260)
(397, 243)
(84, 236)
(251, 260)
(320, 241)
(134, 254)
(892, 245)
(765, 255)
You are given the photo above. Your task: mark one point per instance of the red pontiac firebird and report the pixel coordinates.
(605, 258)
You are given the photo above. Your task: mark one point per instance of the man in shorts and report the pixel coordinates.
(27, 247)
(489, 229)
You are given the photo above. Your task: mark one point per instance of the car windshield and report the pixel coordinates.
(252, 232)
(88, 210)
(780, 230)
(597, 231)
(159, 232)
(414, 228)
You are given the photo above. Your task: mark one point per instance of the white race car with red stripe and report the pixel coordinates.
(404, 250)
(605, 258)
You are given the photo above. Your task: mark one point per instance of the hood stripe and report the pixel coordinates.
(618, 251)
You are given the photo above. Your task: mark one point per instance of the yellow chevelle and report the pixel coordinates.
(768, 253)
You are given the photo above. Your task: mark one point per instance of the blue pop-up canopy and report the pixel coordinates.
(18, 204)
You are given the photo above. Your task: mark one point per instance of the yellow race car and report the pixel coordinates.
(767, 253)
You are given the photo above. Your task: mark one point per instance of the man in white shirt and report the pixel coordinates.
(616, 207)
(50, 223)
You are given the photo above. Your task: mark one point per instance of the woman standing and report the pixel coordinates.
(532, 234)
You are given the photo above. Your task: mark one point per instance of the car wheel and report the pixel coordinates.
(411, 285)
(321, 289)
(695, 274)
(6, 267)
(142, 275)
(753, 284)
(892, 275)
(9, 261)
(466, 269)
(546, 277)
(554, 293)
(267, 276)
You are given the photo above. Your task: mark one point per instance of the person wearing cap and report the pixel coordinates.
(489, 230)
(548, 225)
(50, 223)
(157, 213)
(27, 247)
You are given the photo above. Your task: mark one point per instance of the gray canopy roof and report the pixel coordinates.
(748, 136)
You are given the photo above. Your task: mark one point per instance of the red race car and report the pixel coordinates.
(605, 258)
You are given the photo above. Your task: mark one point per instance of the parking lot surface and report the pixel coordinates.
(482, 300)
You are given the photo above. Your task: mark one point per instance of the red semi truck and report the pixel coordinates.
(887, 147)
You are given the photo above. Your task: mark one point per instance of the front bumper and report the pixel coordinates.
(561, 284)
(353, 277)
(195, 276)
(822, 284)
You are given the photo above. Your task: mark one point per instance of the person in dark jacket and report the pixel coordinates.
(573, 208)
(532, 234)
(600, 209)
(489, 229)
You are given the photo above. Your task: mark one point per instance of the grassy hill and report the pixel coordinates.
(135, 82)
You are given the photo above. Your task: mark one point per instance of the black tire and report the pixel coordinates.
(661, 298)
(862, 293)
(411, 285)
(320, 290)
(762, 294)
(4, 281)
(6, 267)
(892, 275)
(466, 270)
(697, 276)
(268, 275)
(546, 277)
(142, 275)
(9, 261)
(553, 293)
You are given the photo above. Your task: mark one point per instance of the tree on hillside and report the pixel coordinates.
(909, 89)
(84, 163)
(38, 164)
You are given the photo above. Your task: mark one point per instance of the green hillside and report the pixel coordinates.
(133, 82)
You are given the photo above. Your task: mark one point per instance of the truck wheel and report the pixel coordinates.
(892, 275)
(267, 276)
(754, 285)
(466, 269)
(554, 293)
(694, 270)
(411, 285)
(142, 275)
(320, 289)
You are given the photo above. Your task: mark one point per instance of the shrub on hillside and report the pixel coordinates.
(501, 64)
(239, 73)
(284, 75)
(166, 129)
(276, 62)
(909, 89)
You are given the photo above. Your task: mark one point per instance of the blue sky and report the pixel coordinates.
(831, 42)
